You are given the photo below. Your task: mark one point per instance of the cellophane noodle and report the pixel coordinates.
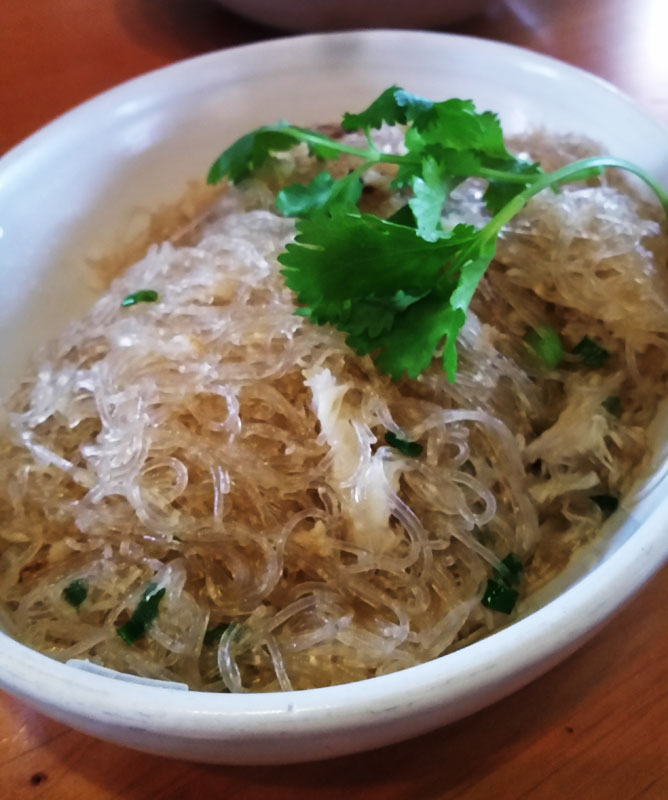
(220, 446)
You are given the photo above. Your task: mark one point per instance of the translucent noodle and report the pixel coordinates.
(217, 445)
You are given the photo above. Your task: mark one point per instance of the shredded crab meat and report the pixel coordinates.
(219, 446)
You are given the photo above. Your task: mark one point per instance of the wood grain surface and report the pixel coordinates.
(594, 727)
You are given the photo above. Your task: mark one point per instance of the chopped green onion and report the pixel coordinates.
(412, 449)
(546, 344)
(212, 636)
(76, 592)
(499, 594)
(613, 405)
(509, 570)
(608, 503)
(591, 353)
(143, 615)
(142, 296)
(499, 597)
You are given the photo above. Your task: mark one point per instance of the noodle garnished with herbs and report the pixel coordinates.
(199, 485)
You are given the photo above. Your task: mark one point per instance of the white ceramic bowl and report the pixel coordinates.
(321, 15)
(66, 191)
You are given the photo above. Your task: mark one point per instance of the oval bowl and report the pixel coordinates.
(138, 145)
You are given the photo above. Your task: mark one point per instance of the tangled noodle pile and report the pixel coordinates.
(218, 446)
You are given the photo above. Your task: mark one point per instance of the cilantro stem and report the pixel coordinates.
(400, 287)
(475, 256)
(578, 170)
(372, 155)
(507, 177)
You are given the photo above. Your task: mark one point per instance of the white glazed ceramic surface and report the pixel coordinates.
(66, 192)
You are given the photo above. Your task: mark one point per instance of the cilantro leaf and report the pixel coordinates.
(413, 104)
(454, 323)
(396, 294)
(429, 193)
(457, 125)
(322, 193)
(408, 347)
(471, 267)
(471, 263)
(297, 199)
(466, 143)
(392, 106)
(404, 216)
(375, 315)
(360, 256)
(250, 152)
(401, 287)
(500, 192)
(410, 166)
(383, 109)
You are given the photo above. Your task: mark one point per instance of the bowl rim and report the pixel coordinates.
(466, 679)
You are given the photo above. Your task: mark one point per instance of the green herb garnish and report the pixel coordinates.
(591, 354)
(546, 344)
(608, 503)
(509, 569)
(212, 636)
(412, 449)
(400, 288)
(142, 296)
(613, 405)
(298, 200)
(499, 597)
(499, 594)
(76, 592)
(143, 616)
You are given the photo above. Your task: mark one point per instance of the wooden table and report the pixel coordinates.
(595, 727)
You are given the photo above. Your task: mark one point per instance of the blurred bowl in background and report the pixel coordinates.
(322, 15)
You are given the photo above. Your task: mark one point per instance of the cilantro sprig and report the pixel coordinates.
(400, 287)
